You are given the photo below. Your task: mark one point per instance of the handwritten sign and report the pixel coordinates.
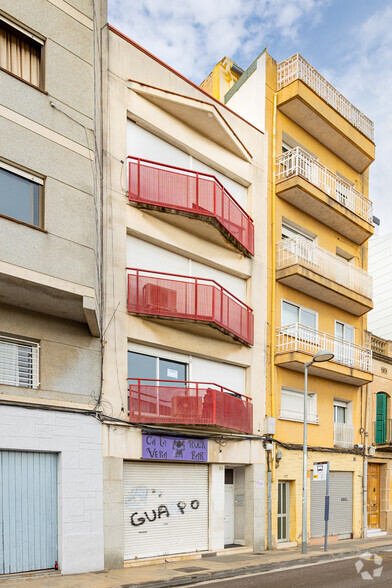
(165, 448)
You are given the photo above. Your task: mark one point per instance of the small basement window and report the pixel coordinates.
(21, 52)
(20, 195)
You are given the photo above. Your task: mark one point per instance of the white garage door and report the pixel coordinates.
(165, 509)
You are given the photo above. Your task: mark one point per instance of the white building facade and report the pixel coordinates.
(184, 359)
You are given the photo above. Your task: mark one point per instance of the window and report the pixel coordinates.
(21, 52)
(339, 411)
(344, 351)
(20, 195)
(289, 231)
(18, 362)
(292, 406)
(147, 367)
(292, 313)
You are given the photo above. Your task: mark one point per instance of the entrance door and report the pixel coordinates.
(373, 495)
(229, 506)
(283, 511)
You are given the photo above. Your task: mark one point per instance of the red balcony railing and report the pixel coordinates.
(188, 403)
(195, 193)
(194, 299)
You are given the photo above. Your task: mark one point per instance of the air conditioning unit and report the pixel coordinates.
(157, 297)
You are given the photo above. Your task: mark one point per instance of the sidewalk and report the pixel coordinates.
(181, 573)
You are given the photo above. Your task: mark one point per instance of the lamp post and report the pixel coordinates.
(317, 358)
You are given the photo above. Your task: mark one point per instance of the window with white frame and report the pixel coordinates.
(293, 313)
(290, 230)
(292, 406)
(21, 52)
(340, 412)
(148, 367)
(19, 362)
(21, 195)
(344, 350)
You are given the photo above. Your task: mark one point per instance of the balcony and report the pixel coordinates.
(305, 267)
(190, 194)
(382, 434)
(189, 403)
(343, 435)
(314, 104)
(189, 301)
(297, 344)
(310, 186)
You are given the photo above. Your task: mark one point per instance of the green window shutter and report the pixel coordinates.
(381, 418)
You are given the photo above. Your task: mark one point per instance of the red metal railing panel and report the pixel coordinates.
(188, 403)
(197, 193)
(196, 299)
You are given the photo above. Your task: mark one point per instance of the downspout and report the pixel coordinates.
(273, 261)
(365, 463)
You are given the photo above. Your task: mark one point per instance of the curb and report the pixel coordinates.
(251, 569)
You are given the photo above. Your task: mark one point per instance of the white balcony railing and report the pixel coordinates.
(304, 252)
(298, 162)
(343, 435)
(297, 68)
(297, 415)
(297, 337)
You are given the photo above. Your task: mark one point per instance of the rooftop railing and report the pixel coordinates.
(297, 162)
(297, 337)
(299, 250)
(297, 68)
(192, 192)
(188, 403)
(188, 298)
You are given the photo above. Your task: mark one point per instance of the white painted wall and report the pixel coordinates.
(217, 502)
(144, 255)
(249, 100)
(379, 320)
(146, 145)
(78, 441)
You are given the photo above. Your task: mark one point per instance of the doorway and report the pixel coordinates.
(229, 506)
(373, 496)
(283, 511)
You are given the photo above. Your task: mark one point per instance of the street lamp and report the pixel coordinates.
(317, 358)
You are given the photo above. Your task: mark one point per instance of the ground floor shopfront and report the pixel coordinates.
(170, 493)
(345, 491)
(51, 499)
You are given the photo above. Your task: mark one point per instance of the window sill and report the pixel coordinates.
(20, 222)
(24, 81)
(293, 420)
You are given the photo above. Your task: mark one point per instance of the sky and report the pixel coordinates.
(348, 41)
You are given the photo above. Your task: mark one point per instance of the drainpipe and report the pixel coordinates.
(365, 462)
(269, 492)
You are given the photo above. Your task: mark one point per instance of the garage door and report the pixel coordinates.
(165, 509)
(28, 511)
(341, 505)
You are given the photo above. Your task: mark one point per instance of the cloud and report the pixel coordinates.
(193, 35)
(365, 78)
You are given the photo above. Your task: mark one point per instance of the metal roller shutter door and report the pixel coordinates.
(341, 505)
(165, 509)
(28, 511)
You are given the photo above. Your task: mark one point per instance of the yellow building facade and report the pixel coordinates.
(319, 219)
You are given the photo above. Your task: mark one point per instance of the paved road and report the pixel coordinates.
(339, 574)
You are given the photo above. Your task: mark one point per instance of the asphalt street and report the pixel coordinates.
(367, 570)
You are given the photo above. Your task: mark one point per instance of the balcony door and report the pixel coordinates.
(344, 351)
(381, 418)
